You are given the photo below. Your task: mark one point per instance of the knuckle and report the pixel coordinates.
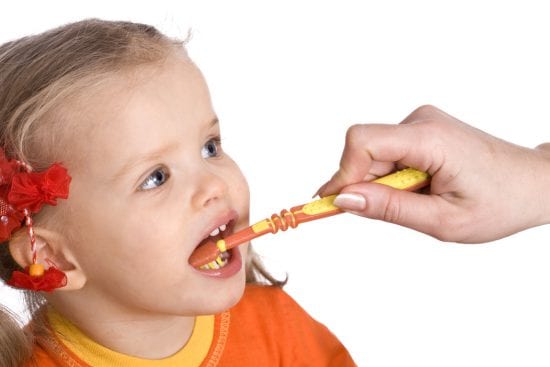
(426, 109)
(391, 211)
(353, 132)
(432, 126)
(422, 114)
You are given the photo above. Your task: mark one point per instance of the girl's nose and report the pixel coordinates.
(210, 188)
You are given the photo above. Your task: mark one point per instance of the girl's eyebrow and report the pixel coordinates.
(153, 155)
(147, 157)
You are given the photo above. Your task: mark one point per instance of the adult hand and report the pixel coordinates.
(482, 188)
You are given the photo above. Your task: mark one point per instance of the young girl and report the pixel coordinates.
(112, 174)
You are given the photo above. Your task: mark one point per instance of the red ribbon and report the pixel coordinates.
(23, 192)
(51, 279)
(31, 190)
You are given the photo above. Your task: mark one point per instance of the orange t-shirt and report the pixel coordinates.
(266, 328)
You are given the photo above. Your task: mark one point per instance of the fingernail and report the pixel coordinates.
(320, 189)
(350, 201)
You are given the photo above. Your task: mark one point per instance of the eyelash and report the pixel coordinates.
(211, 151)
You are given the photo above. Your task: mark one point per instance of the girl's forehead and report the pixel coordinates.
(142, 106)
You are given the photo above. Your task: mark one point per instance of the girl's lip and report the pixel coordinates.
(233, 267)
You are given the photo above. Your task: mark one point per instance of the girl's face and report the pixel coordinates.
(150, 182)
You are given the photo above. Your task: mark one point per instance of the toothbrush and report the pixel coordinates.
(208, 256)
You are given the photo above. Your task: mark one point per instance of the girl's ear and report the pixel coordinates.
(51, 249)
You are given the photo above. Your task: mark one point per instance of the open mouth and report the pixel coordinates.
(224, 258)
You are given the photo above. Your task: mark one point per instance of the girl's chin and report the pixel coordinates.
(224, 299)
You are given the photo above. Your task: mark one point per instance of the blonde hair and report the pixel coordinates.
(37, 74)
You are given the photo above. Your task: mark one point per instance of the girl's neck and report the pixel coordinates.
(139, 334)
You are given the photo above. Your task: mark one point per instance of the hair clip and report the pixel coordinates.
(22, 193)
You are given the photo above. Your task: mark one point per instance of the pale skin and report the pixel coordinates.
(482, 188)
(134, 222)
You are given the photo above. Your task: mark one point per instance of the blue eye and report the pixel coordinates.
(157, 178)
(211, 148)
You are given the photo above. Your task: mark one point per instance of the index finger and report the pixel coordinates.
(371, 150)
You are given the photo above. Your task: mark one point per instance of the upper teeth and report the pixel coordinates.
(217, 231)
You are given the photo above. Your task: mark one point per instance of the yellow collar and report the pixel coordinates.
(191, 355)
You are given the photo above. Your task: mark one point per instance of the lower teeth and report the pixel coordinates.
(220, 262)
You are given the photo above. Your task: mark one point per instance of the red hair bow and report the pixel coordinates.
(20, 190)
(23, 192)
(31, 190)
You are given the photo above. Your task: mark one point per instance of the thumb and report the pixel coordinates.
(421, 212)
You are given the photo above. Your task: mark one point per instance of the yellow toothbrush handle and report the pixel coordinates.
(409, 179)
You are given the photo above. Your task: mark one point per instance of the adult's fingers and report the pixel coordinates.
(429, 214)
(372, 150)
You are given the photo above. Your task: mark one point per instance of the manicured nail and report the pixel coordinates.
(350, 201)
(320, 189)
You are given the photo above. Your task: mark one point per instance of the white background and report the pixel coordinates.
(287, 79)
